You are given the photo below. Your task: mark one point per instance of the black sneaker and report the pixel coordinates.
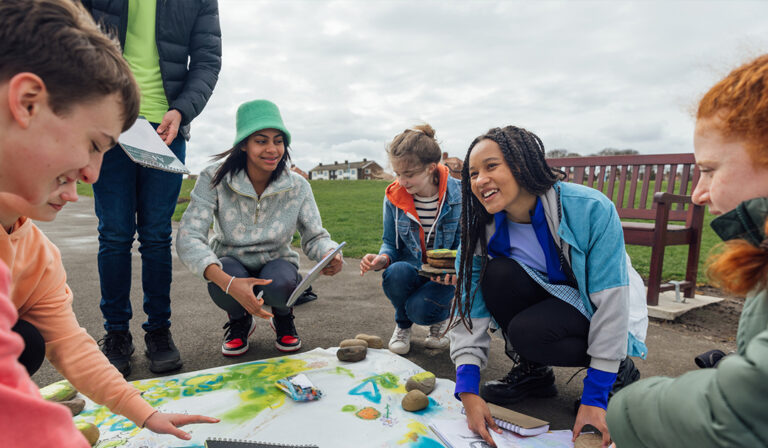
(526, 379)
(161, 351)
(626, 375)
(307, 296)
(236, 337)
(287, 337)
(117, 346)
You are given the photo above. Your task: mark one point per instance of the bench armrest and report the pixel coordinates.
(670, 198)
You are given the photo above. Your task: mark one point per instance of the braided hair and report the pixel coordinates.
(524, 153)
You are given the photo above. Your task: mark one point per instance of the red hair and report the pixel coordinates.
(740, 102)
(741, 266)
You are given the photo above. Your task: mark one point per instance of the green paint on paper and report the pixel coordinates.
(385, 380)
(255, 383)
(343, 371)
(349, 408)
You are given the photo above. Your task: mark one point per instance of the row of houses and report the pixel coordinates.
(366, 170)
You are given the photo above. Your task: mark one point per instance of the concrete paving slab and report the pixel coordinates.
(670, 309)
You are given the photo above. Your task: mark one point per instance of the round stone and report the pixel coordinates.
(353, 343)
(76, 405)
(373, 341)
(424, 381)
(415, 400)
(351, 354)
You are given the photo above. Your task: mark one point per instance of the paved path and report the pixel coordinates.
(347, 305)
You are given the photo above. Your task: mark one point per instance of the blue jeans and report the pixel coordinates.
(131, 198)
(416, 299)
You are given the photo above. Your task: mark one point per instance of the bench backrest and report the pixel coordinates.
(627, 180)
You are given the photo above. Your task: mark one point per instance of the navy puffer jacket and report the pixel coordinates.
(188, 39)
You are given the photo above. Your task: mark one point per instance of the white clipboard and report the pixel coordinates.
(313, 274)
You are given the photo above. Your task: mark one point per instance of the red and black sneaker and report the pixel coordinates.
(236, 337)
(287, 338)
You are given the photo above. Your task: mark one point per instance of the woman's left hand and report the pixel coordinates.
(448, 280)
(162, 423)
(595, 416)
(334, 267)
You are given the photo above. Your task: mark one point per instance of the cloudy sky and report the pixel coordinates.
(350, 75)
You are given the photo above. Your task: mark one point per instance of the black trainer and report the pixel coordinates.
(236, 335)
(526, 379)
(307, 296)
(117, 346)
(626, 375)
(287, 338)
(161, 351)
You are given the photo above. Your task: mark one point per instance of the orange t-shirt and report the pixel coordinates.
(25, 418)
(40, 293)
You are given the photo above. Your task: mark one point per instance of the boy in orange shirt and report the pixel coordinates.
(47, 322)
(65, 95)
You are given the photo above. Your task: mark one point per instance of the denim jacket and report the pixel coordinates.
(403, 238)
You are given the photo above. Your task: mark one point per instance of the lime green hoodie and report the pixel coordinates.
(725, 406)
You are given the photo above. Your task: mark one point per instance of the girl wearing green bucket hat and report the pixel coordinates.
(255, 203)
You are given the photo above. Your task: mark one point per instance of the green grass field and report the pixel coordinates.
(352, 212)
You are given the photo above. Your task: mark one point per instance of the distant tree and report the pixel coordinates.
(617, 152)
(560, 153)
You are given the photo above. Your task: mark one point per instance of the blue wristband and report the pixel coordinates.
(467, 380)
(597, 385)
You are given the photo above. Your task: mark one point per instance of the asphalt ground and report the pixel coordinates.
(347, 305)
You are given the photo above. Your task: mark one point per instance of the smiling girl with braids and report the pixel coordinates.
(545, 260)
(726, 405)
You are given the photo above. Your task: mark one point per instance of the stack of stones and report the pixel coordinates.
(63, 392)
(441, 258)
(353, 350)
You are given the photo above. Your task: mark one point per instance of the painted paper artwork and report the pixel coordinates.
(360, 404)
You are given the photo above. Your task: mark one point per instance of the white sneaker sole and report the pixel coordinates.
(400, 350)
(280, 347)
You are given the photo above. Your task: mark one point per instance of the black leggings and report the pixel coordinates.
(34, 346)
(541, 328)
(285, 277)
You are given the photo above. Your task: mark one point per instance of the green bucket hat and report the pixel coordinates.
(257, 115)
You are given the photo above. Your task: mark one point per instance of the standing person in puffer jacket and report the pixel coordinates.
(724, 406)
(174, 50)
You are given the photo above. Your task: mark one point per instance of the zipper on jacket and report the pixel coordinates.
(563, 262)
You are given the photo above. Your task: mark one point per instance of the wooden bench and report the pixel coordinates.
(620, 178)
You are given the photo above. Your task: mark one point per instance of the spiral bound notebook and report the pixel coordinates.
(144, 146)
(236, 443)
(522, 424)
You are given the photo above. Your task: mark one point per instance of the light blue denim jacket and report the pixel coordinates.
(586, 227)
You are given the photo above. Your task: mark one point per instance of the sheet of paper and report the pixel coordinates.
(455, 434)
(312, 275)
(145, 147)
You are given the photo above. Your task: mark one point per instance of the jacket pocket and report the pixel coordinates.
(447, 235)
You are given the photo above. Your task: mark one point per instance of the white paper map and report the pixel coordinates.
(145, 147)
(360, 406)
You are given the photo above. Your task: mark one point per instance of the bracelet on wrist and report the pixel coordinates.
(226, 291)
